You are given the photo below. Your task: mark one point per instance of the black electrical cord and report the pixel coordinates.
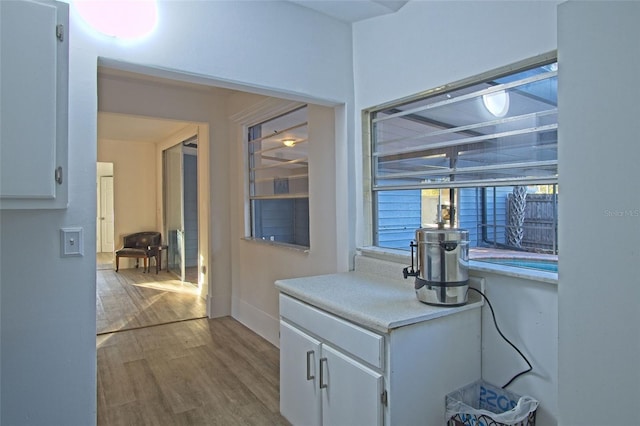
(493, 314)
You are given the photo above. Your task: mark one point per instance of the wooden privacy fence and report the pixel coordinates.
(540, 223)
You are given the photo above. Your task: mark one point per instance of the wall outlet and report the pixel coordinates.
(71, 242)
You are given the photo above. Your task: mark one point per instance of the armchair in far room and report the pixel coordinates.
(141, 245)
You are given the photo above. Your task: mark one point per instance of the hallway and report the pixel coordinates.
(131, 299)
(162, 362)
(197, 372)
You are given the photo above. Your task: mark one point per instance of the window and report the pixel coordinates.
(279, 180)
(480, 154)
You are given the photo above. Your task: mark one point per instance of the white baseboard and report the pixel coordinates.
(217, 307)
(258, 321)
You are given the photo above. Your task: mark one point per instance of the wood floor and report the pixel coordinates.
(130, 299)
(165, 365)
(199, 372)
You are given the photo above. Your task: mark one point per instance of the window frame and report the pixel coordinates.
(371, 208)
(250, 179)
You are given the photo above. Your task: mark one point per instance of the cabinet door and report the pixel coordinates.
(299, 380)
(351, 392)
(33, 104)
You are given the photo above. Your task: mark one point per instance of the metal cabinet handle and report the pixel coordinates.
(323, 385)
(309, 376)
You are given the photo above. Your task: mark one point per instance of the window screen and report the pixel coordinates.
(279, 179)
(498, 131)
(479, 154)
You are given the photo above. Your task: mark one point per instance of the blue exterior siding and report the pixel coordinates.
(398, 218)
(399, 215)
(301, 223)
(284, 220)
(469, 215)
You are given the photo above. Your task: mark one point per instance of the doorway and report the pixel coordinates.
(130, 184)
(105, 216)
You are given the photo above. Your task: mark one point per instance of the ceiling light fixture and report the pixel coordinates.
(124, 19)
(289, 142)
(497, 103)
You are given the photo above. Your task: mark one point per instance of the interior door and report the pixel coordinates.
(172, 182)
(106, 214)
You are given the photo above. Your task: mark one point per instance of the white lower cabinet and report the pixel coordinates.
(351, 393)
(321, 384)
(334, 372)
(300, 399)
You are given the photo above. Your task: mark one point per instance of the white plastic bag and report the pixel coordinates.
(483, 404)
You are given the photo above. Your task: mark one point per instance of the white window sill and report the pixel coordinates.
(404, 257)
(287, 246)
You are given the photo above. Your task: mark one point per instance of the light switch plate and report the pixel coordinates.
(71, 242)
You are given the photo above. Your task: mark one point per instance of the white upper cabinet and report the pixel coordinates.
(34, 104)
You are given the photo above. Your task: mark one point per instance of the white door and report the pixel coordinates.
(351, 393)
(106, 214)
(299, 379)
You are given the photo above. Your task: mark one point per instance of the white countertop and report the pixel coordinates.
(375, 302)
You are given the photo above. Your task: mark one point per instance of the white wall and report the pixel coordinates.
(427, 44)
(134, 188)
(527, 313)
(48, 325)
(599, 224)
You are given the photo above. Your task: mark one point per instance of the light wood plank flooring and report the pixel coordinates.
(198, 372)
(132, 299)
(161, 363)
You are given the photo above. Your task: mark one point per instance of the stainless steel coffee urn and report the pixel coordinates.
(442, 276)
